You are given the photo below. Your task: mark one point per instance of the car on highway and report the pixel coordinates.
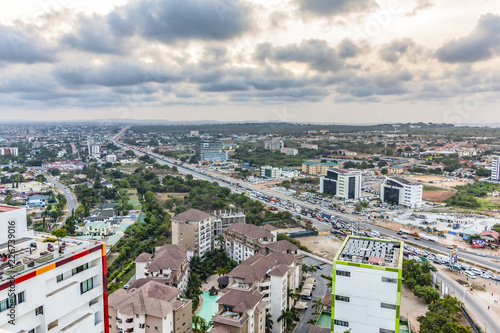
(481, 254)
(404, 237)
(470, 274)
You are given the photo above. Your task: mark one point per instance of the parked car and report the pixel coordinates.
(319, 267)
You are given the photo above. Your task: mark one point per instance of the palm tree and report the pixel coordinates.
(329, 285)
(286, 317)
(220, 271)
(269, 323)
(317, 305)
(311, 321)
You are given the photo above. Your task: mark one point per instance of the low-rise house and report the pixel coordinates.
(97, 228)
(490, 236)
(38, 200)
(149, 306)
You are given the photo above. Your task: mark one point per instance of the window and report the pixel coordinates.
(341, 298)
(31, 330)
(86, 285)
(21, 297)
(80, 269)
(389, 280)
(4, 304)
(388, 306)
(141, 325)
(341, 323)
(39, 310)
(156, 328)
(383, 330)
(343, 273)
(60, 278)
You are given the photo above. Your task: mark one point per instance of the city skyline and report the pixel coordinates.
(360, 61)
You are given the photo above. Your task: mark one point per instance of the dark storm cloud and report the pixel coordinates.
(232, 85)
(113, 74)
(170, 20)
(314, 52)
(393, 51)
(378, 84)
(482, 43)
(24, 45)
(347, 49)
(335, 7)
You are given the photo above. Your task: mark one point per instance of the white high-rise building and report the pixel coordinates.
(94, 150)
(366, 291)
(342, 183)
(402, 192)
(495, 168)
(49, 287)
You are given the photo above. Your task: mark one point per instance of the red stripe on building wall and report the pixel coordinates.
(25, 277)
(105, 293)
(81, 254)
(64, 261)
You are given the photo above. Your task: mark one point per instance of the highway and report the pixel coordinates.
(489, 321)
(324, 226)
(70, 198)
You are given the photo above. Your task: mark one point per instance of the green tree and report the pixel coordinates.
(427, 293)
(384, 171)
(496, 227)
(59, 233)
(269, 322)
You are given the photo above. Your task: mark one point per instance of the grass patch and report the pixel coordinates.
(130, 167)
(432, 188)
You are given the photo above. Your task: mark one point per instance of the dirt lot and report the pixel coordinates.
(325, 246)
(412, 307)
(437, 181)
(166, 196)
(437, 196)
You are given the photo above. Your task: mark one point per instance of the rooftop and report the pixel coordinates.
(403, 181)
(371, 251)
(191, 215)
(5, 208)
(32, 254)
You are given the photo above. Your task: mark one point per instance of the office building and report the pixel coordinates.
(210, 151)
(270, 172)
(289, 151)
(193, 228)
(111, 158)
(57, 288)
(366, 290)
(149, 306)
(495, 168)
(169, 265)
(342, 183)
(400, 191)
(274, 144)
(316, 167)
(224, 219)
(289, 172)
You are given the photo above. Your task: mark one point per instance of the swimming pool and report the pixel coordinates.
(209, 307)
(325, 320)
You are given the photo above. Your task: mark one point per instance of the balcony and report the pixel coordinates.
(129, 320)
(230, 318)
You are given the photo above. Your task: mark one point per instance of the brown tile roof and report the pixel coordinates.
(491, 233)
(220, 329)
(269, 227)
(327, 301)
(253, 269)
(241, 301)
(143, 257)
(250, 230)
(282, 258)
(140, 282)
(191, 215)
(169, 256)
(279, 270)
(152, 298)
(317, 329)
(282, 246)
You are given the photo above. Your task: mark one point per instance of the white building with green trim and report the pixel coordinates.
(366, 286)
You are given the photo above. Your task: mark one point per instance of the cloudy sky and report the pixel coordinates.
(335, 61)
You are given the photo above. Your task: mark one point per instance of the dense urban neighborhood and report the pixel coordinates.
(216, 229)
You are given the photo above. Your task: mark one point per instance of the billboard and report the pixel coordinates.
(453, 257)
(478, 243)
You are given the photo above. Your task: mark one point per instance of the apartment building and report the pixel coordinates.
(43, 276)
(193, 228)
(366, 283)
(495, 168)
(169, 265)
(342, 183)
(240, 312)
(9, 151)
(268, 276)
(289, 151)
(316, 167)
(149, 306)
(402, 192)
(94, 150)
(245, 240)
(224, 219)
(309, 146)
(274, 144)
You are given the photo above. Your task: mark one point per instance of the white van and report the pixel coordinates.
(470, 274)
(476, 271)
(375, 234)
